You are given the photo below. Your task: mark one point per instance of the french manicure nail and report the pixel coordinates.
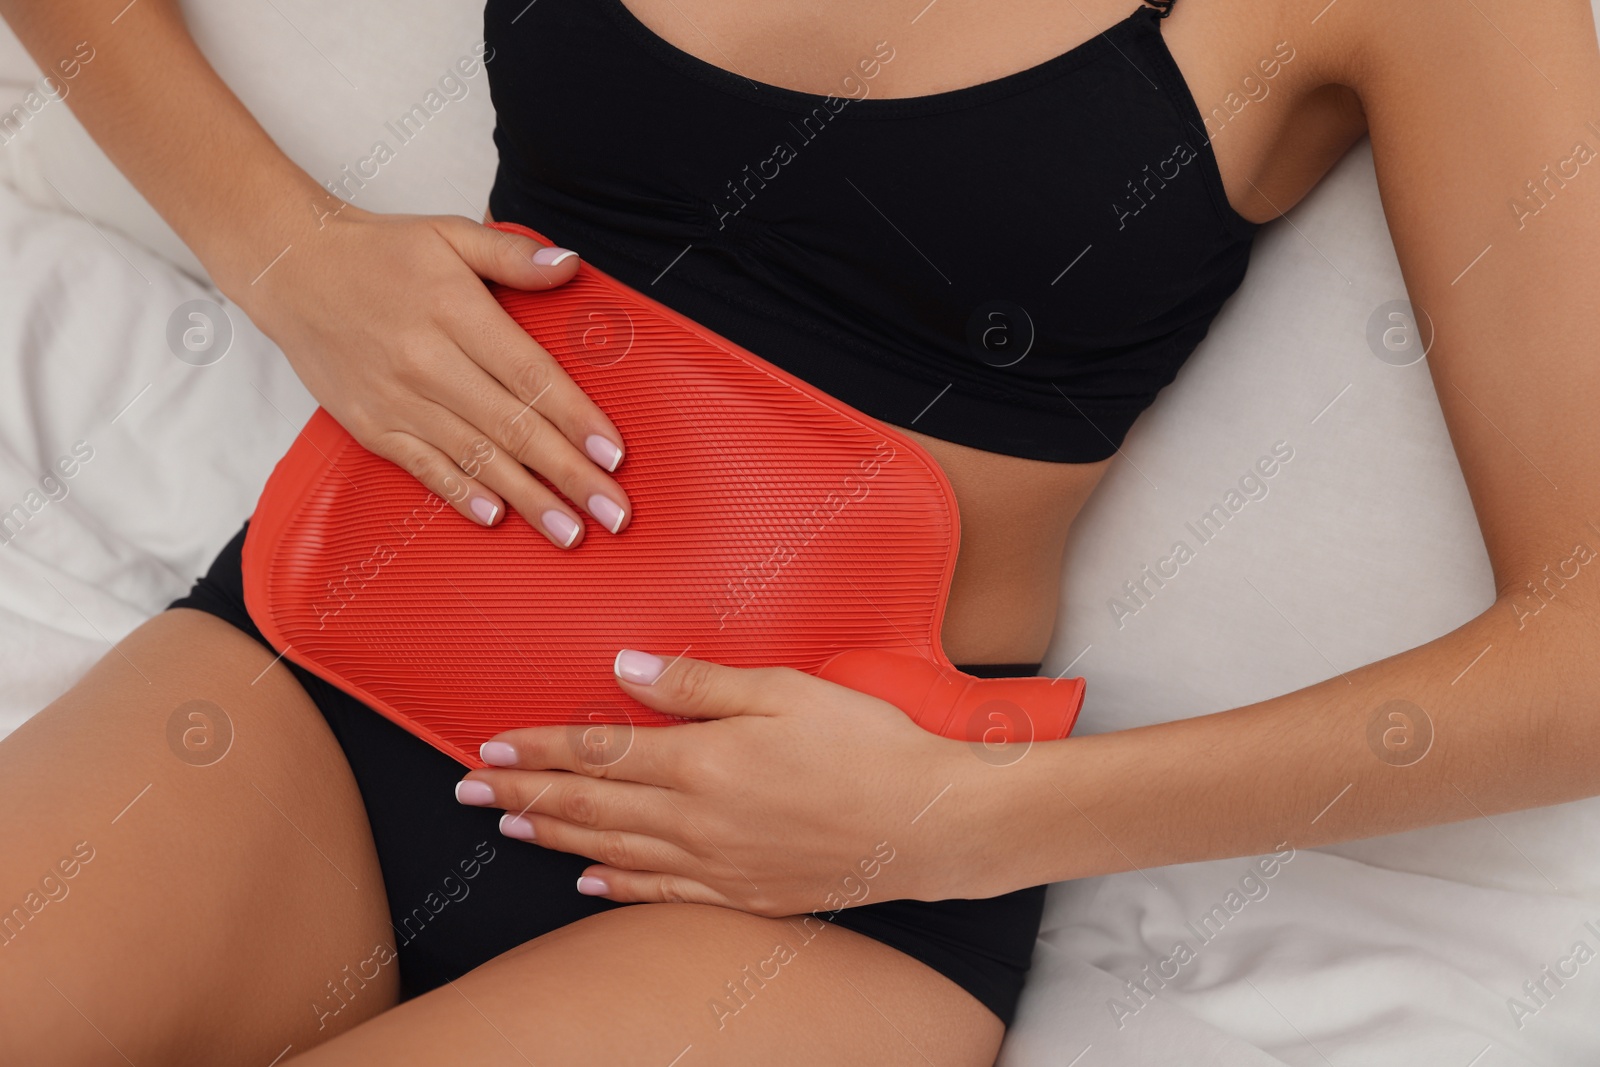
(472, 791)
(497, 754)
(590, 886)
(561, 527)
(607, 511)
(549, 257)
(484, 509)
(602, 451)
(516, 826)
(635, 666)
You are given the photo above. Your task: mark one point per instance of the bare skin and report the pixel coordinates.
(217, 905)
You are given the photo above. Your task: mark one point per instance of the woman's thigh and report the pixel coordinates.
(186, 870)
(683, 985)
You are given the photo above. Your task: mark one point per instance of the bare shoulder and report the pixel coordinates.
(1271, 84)
(1383, 47)
(1286, 89)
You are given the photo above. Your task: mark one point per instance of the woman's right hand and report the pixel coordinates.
(386, 321)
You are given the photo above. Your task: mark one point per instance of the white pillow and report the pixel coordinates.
(16, 66)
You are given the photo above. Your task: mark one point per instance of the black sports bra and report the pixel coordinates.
(1018, 266)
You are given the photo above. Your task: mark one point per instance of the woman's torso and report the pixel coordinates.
(1272, 140)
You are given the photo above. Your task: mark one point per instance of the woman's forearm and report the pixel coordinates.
(1443, 732)
(156, 107)
(385, 317)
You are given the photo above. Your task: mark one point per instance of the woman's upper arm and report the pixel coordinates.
(180, 136)
(1485, 124)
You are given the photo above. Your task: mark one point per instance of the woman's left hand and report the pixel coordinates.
(792, 795)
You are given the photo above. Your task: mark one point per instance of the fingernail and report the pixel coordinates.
(607, 511)
(497, 754)
(516, 826)
(602, 451)
(590, 886)
(484, 509)
(549, 257)
(472, 791)
(635, 666)
(561, 527)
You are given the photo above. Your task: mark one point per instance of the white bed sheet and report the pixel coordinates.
(178, 453)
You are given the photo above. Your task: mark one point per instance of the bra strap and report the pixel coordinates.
(1163, 6)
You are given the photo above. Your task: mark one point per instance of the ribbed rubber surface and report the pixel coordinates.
(772, 525)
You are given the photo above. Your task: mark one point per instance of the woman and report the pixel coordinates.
(939, 166)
